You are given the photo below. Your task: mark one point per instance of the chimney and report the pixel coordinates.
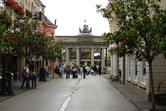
(43, 9)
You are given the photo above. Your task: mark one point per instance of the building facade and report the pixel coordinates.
(37, 10)
(84, 49)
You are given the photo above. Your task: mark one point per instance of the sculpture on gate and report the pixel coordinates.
(86, 30)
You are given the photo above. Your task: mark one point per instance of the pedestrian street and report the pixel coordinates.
(94, 93)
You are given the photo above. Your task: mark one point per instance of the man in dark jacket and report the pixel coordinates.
(56, 70)
(84, 72)
(95, 70)
(99, 69)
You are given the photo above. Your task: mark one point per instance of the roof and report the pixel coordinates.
(40, 3)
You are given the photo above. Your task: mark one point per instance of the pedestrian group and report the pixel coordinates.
(30, 74)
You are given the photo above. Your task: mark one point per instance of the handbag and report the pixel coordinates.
(23, 74)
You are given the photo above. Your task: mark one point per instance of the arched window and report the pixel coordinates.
(28, 6)
(32, 7)
(25, 4)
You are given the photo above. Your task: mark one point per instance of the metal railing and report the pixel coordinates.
(41, 16)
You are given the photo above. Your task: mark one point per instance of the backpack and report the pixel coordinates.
(24, 73)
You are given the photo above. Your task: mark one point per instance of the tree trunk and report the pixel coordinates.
(152, 86)
(124, 74)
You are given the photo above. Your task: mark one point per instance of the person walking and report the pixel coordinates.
(99, 69)
(47, 70)
(95, 70)
(60, 72)
(67, 72)
(81, 71)
(84, 72)
(34, 76)
(74, 72)
(26, 77)
(56, 70)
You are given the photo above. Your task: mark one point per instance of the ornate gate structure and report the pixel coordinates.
(84, 49)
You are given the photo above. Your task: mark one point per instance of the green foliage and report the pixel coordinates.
(108, 59)
(33, 43)
(26, 40)
(56, 51)
(141, 27)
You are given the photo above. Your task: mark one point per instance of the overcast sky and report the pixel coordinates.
(70, 15)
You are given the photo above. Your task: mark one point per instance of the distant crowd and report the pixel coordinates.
(73, 70)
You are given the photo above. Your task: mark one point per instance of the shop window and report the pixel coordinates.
(143, 72)
(32, 7)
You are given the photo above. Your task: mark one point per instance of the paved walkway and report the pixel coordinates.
(137, 100)
(17, 87)
(96, 94)
(91, 94)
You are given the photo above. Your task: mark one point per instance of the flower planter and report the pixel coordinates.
(16, 7)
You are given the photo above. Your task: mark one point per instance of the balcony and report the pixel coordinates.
(41, 16)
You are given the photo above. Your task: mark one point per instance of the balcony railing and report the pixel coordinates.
(41, 16)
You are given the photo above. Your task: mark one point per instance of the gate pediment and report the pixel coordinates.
(85, 39)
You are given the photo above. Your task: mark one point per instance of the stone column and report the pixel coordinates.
(102, 58)
(92, 56)
(115, 66)
(67, 56)
(78, 57)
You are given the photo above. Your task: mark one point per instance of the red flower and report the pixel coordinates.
(123, 41)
